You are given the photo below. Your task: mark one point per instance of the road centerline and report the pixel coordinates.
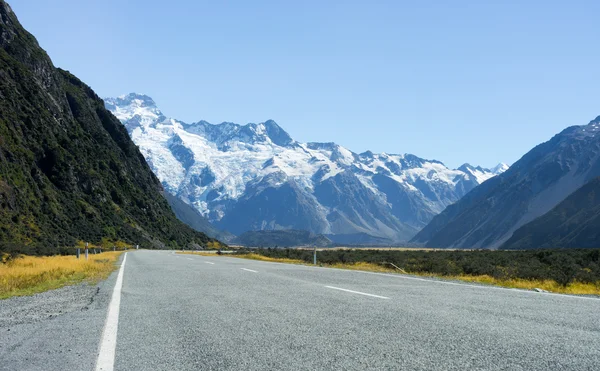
(108, 344)
(249, 270)
(209, 263)
(357, 292)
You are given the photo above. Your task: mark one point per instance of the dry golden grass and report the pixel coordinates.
(32, 274)
(267, 259)
(202, 253)
(575, 288)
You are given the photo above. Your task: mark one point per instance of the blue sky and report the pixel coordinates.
(457, 81)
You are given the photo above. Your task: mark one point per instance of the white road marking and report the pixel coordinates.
(249, 270)
(189, 259)
(108, 344)
(357, 292)
(209, 263)
(441, 281)
(489, 287)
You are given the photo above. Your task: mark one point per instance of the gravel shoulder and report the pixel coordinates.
(54, 330)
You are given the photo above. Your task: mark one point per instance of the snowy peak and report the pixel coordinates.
(131, 106)
(499, 169)
(483, 174)
(226, 133)
(255, 176)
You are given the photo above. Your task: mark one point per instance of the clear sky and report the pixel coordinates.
(457, 81)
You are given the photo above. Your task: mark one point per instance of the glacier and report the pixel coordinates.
(256, 177)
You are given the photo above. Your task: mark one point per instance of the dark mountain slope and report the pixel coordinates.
(194, 219)
(575, 222)
(68, 170)
(282, 238)
(488, 215)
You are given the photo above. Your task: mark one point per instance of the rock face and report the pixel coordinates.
(573, 223)
(282, 238)
(68, 169)
(540, 180)
(256, 177)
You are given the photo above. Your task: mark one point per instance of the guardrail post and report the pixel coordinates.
(86, 251)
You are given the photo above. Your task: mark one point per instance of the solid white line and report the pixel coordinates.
(357, 292)
(209, 263)
(108, 345)
(441, 281)
(249, 270)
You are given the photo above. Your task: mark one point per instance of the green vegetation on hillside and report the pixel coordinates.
(68, 169)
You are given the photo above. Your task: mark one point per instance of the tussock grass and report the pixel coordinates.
(268, 259)
(574, 288)
(27, 275)
(202, 253)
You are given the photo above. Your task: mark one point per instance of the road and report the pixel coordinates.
(184, 312)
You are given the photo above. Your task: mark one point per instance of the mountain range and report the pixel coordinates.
(492, 213)
(256, 177)
(68, 169)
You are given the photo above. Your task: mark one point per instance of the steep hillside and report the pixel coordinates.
(256, 177)
(546, 175)
(282, 238)
(68, 169)
(194, 219)
(575, 222)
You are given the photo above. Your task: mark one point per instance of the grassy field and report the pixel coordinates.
(26, 275)
(574, 287)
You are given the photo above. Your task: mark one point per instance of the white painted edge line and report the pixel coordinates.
(490, 287)
(108, 344)
(357, 292)
(249, 270)
(209, 263)
(440, 281)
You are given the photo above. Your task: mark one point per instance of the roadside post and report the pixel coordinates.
(78, 251)
(137, 247)
(86, 251)
(315, 255)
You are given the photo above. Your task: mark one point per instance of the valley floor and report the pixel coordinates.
(208, 312)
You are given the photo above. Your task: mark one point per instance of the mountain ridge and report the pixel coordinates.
(224, 171)
(532, 186)
(68, 169)
(573, 223)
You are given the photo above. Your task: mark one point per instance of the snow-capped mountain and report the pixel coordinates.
(256, 177)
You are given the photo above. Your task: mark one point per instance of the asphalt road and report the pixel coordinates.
(184, 312)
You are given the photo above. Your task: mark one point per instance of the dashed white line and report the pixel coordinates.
(209, 263)
(189, 259)
(357, 292)
(108, 344)
(249, 270)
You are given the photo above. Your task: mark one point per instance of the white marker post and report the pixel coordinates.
(315, 255)
(86, 251)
